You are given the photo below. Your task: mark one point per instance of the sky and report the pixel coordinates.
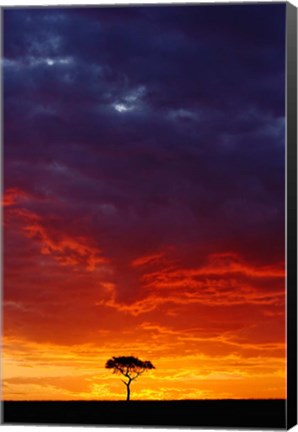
(144, 201)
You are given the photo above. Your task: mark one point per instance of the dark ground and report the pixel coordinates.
(189, 413)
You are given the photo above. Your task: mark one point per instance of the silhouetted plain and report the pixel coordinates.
(192, 413)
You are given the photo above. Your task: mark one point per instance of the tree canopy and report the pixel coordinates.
(128, 365)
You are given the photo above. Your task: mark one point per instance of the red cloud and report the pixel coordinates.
(224, 280)
(13, 196)
(147, 259)
(66, 249)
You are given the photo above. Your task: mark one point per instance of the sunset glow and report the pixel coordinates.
(144, 201)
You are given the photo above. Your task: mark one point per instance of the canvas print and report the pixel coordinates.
(144, 215)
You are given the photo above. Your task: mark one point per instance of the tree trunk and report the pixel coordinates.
(128, 391)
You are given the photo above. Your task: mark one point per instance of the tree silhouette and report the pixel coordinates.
(130, 367)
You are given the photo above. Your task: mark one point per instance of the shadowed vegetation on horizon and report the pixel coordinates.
(130, 367)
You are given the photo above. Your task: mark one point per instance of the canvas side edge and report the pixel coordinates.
(291, 209)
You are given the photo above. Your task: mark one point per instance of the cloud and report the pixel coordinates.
(145, 260)
(13, 196)
(65, 249)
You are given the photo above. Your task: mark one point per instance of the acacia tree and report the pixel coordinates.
(130, 368)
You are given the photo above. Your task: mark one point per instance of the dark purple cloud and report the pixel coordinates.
(152, 127)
